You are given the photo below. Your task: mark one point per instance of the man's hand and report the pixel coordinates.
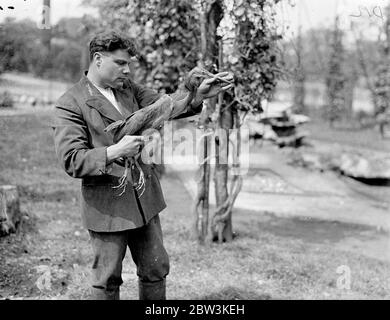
(128, 146)
(213, 86)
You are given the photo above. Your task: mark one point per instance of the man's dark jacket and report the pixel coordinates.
(80, 116)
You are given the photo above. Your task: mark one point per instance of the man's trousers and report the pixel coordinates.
(148, 253)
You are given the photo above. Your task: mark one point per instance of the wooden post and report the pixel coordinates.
(46, 24)
(10, 214)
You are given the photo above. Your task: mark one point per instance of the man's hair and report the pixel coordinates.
(109, 41)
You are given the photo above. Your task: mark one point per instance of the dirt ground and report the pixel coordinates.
(271, 257)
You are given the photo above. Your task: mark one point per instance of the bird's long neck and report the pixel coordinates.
(190, 96)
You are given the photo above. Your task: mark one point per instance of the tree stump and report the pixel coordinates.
(10, 214)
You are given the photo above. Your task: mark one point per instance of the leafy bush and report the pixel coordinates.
(6, 100)
(22, 50)
(255, 58)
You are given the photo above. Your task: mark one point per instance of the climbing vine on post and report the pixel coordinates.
(210, 15)
(255, 57)
(252, 54)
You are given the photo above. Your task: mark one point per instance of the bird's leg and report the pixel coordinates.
(140, 185)
(123, 180)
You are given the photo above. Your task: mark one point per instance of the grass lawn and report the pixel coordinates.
(348, 134)
(19, 84)
(270, 258)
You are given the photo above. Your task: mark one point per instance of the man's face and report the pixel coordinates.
(114, 67)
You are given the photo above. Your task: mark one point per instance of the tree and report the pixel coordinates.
(210, 15)
(66, 60)
(17, 39)
(299, 78)
(252, 50)
(375, 65)
(22, 48)
(382, 81)
(335, 81)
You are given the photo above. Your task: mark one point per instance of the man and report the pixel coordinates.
(106, 94)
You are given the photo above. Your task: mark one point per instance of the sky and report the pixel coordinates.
(291, 13)
(32, 9)
(317, 13)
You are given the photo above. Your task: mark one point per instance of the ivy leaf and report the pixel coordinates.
(233, 59)
(240, 11)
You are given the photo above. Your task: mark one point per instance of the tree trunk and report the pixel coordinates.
(10, 214)
(223, 229)
(204, 221)
(210, 19)
(364, 67)
(335, 81)
(300, 77)
(201, 203)
(350, 93)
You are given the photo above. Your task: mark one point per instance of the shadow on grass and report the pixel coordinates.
(350, 129)
(306, 229)
(232, 293)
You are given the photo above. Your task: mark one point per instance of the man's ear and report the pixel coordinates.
(97, 58)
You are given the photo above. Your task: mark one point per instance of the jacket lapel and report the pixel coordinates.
(99, 102)
(127, 101)
(104, 107)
